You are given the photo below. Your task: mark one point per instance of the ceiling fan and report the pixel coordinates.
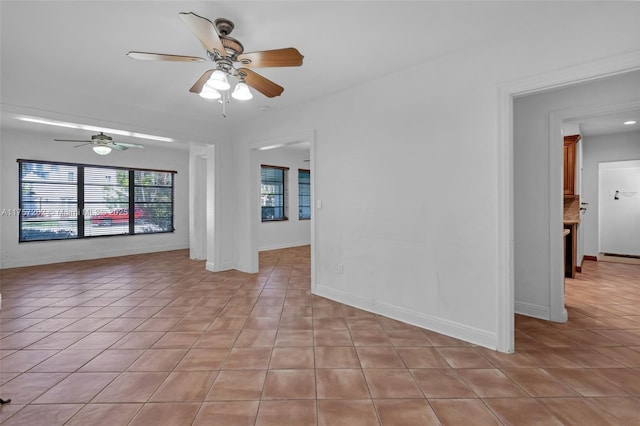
(102, 144)
(230, 59)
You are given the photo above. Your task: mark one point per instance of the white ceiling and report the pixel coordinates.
(67, 59)
(609, 123)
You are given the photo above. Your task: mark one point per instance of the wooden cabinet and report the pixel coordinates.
(570, 163)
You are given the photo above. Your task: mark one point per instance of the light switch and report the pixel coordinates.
(318, 204)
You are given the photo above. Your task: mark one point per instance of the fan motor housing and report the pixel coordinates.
(224, 26)
(101, 138)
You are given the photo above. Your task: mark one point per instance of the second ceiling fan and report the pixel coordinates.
(230, 59)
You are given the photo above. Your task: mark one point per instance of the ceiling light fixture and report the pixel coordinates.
(49, 122)
(101, 149)
(630, 122)
(209, 93)
(218, 81)
(242, 92)
(217, 87)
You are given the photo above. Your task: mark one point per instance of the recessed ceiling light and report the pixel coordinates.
(57, 123)
(628, 123)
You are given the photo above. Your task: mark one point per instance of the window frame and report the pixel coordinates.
(308, 194)
(284, 194)
(81, 207)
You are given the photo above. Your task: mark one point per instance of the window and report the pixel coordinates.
(304, 194)
(70, 201)
(273, 193)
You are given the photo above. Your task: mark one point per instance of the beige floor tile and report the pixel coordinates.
(131, 387)
(353, 412)
(185, 386)
(291, 358)
(442, 383)
(166, 414)
(336, 357)
(405, 412)
(158, 360)
(248, 358)
(289, 384)
(522, 411)
(391, 383)
(464, 411)
(114, 360)
(227, 413)
(288, 412)
(577, 411)
(43, 415)
(237, 385)
(76, 388)
(490, 383)
(341, 384)
(68, 360)
(104, 414)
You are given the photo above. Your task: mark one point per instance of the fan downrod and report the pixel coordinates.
(224, 26)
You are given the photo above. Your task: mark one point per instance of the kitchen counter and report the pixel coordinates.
(572, 211)
(571, 220)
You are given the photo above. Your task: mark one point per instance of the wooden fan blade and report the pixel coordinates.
(205, 31)
(289, 57)
(197, 87)
(260, 83)
(146, 56)
(73, 140)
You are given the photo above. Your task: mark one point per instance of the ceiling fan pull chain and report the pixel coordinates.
(224, 100)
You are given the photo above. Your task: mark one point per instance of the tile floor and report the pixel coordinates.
(157, 340)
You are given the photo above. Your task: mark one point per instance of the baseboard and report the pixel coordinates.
(587, 257)
(531, 310)
(439, 325)
(75, 256)
(284, 246)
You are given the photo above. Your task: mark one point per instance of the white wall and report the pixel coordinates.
(408, 179)
(596, 150)
(39, 146)
(292, 232)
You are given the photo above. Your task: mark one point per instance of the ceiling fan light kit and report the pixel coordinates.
(230, 60)
(242, 92)
(101, 149)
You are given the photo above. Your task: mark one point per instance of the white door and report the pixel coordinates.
(619, 208)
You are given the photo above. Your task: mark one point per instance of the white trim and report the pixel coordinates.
(505, 197)
(556, 311)
(438, 325)
(55, 258)
(284, 246)
(505, 225)
(532, 310)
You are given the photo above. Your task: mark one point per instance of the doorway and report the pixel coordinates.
(547, 215)
(619, 208)
(298, 152)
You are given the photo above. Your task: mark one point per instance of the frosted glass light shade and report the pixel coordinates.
(218, 81)
(101, 149)
(209, 92)
(242, 92)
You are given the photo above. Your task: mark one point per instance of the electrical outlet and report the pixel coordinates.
(340, 268)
